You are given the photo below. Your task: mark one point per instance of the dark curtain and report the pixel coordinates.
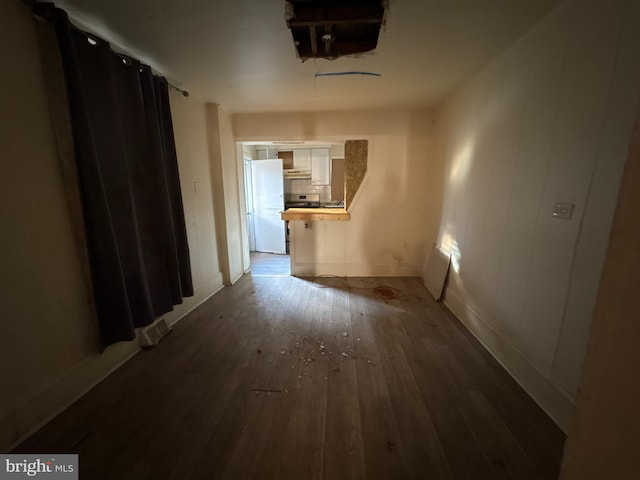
(128, 179)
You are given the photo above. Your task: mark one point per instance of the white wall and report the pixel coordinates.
(232, 199)
(49, 346)
(548, 121)
(190, 132)
(397, 207)
(226, 192)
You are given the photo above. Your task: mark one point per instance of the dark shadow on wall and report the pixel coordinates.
(355, 154)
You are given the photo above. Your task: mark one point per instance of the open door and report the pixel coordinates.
(268, 202)
(248, 195)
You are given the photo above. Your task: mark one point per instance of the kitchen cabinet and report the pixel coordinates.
(320, 166)
(265, 153)
(287, 159)
(302, 159)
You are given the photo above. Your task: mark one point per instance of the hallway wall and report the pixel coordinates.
(397, 208)
(49, 353)
(548, 121)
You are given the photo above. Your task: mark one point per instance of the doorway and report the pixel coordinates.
(264, 200)
(288, 170)
(270, 265)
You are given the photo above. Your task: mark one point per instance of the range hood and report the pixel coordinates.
(293, 174)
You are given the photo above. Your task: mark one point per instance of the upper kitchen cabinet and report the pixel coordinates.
(287, 159)
(320, 166)
(302, 159)
(265, 153)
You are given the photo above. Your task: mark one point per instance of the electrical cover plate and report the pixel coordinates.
(563, 210)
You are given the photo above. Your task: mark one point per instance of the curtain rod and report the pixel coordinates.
(185, 93)
(178, 89)
(127, 59)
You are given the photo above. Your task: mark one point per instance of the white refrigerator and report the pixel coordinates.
(268, 202)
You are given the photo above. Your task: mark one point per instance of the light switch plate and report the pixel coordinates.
(563, 210)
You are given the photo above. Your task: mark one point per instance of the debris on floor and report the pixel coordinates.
(345, 334)
(345, 354)
(265, 390)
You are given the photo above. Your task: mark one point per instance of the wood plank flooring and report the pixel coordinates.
(270, 264)
(328, 378)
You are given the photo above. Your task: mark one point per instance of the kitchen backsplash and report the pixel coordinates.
(302, 186)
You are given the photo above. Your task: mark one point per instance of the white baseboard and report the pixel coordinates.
(553, 400)
(355, 270)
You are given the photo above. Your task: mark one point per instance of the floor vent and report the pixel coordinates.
(150, 336)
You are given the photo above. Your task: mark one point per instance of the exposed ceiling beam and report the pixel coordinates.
(337, 49)
(357, 21)
(327, 38)
(314, 40)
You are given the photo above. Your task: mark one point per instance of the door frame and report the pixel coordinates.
(242, 201)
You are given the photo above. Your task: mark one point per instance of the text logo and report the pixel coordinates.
(50, 467)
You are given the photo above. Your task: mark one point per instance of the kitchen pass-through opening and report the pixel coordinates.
(279, 176)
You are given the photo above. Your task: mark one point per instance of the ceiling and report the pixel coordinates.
(240, 53)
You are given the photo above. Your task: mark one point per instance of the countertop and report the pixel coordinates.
(315, 214)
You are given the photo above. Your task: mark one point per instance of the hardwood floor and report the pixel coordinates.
(289, 378)
(268, 264)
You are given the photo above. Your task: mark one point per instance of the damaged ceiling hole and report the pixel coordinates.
(334, 28)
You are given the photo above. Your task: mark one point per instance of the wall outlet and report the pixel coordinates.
(307, 225)
(563, 210)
